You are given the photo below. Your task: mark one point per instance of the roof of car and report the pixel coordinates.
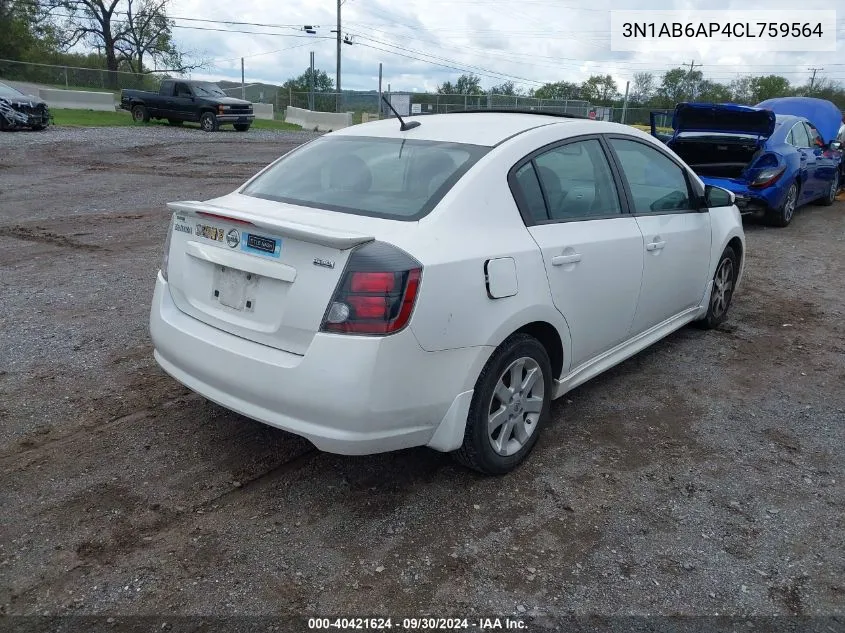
(474, 128)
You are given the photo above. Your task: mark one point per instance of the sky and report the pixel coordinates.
(423, 43)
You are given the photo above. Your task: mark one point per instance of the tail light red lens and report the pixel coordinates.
(377, 292)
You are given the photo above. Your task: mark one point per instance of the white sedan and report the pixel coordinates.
(381, 288)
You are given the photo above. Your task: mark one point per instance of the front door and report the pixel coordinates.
(592, 251)
(676, 235)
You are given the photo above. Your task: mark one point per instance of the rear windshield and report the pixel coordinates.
(382, 177)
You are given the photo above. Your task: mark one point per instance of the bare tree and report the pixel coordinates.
(643, 88)
(95, 22)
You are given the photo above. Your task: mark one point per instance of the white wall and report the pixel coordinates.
(263, 110)
(77, 99)
(323, 121)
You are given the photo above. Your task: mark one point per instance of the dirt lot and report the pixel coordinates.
(703, 476)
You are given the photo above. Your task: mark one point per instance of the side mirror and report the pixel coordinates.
(835, 145)
(718, 197)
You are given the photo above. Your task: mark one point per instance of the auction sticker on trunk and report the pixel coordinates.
(210, 232)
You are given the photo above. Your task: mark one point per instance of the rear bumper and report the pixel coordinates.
(750, 201)
(349, 395)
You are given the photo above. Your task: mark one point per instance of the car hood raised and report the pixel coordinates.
(723, 117)
(821, 113)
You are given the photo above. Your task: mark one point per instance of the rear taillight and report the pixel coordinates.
(165, 256)
(377, 292)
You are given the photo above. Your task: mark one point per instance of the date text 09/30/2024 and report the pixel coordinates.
(418, 624)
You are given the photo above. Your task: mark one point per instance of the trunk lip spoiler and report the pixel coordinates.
(315, 234)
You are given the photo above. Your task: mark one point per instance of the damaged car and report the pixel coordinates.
(773, 161)
(19, 110)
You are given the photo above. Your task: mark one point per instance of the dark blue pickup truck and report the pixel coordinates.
(198, 101)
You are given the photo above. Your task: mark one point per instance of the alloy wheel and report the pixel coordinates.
(515, 406)
(722, 287)
(789, 205)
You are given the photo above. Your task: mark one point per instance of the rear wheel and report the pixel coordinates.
(724, 281)
(208, 122)
(241, 127)
(509, 405)
(831, 193)
(783, 216)
(140, 114)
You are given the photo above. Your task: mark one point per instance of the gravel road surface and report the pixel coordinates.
(703, 476)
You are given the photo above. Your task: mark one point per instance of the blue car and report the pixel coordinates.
(774, 157)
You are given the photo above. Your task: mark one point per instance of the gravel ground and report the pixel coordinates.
(703, 476)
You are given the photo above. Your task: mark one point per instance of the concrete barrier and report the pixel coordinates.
(78, 99)
(323, 121)
(263, 110)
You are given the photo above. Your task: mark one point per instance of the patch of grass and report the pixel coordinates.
(120, 118)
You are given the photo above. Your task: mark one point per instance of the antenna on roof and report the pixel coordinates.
(404, 126)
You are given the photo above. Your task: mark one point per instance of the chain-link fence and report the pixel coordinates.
(76, 77)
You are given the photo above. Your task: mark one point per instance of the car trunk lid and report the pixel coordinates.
(257, 272)
(723, 118)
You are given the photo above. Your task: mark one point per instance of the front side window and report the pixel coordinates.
(815, 137)
(657, 184)
(384, 177)
(182, 90)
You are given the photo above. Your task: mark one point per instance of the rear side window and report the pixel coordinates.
(383, 177)
(799, 135)
(532, 194)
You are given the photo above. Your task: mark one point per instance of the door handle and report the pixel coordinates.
(560, 260)
(655, 246)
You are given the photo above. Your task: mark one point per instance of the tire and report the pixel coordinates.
(724, 283)
(241, 127)
(140, 114)
(175, 122)
(831, 193)
(783, 216)
(485, 451)
(208, 122)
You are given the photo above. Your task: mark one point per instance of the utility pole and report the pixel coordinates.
(689, 76)
(339, 98)
(379, 90)
(813, 78)
(625, 102)
(243, 87)
(311, 85)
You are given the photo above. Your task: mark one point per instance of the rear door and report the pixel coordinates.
(809, 180)
(592, 249)
(676, 236)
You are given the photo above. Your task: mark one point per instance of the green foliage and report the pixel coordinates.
(322, 82)
(467, 84)
(559, 91)
(599, 90)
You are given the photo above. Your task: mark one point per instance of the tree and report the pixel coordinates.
(446, 88)
(322, 82)
(743, 89)
(147, 33)
(599, 89)
(558, 91)
(770, 86)
(24, 31)
(713, 92)
(677, 85)
(643, 88)
(469, 84)
(506, 88)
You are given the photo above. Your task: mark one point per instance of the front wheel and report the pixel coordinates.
(724, 282)
(208, 122)
(140, 114)
(509, 405)
(831, 193)
(783, 216)
(241, 127)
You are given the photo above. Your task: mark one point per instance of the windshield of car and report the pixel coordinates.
(383, 177)
(8, 91)
(208, 90)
